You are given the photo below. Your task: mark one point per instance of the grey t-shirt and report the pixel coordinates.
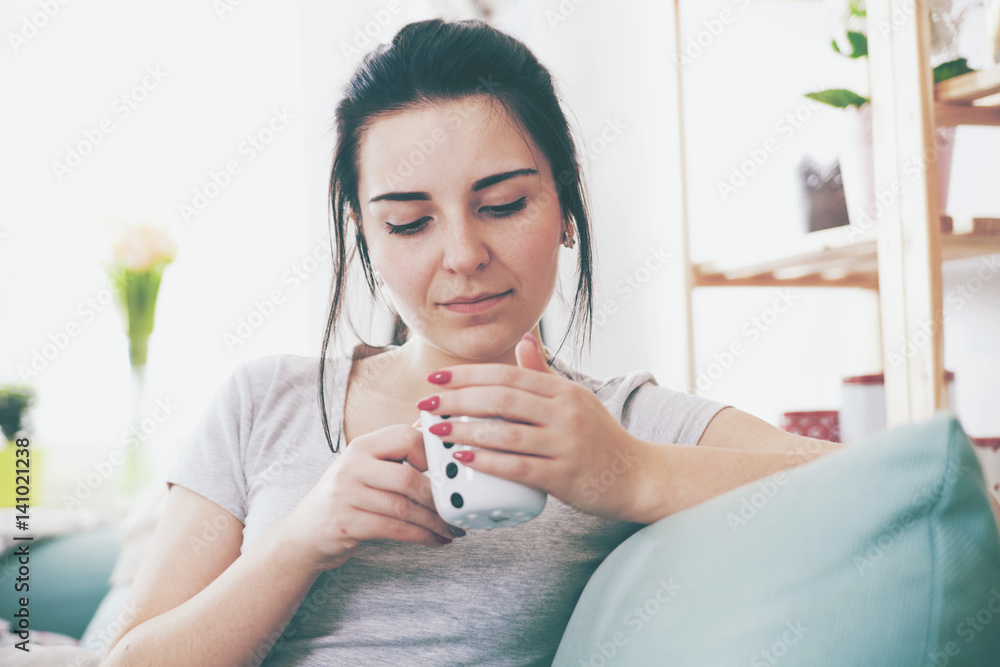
(500, 597)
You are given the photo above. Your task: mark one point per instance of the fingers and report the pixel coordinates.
(497, 401)
(397, 443)
(393, 477)
(394, 510)
(500, 435)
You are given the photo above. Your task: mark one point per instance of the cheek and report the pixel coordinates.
(411, 273)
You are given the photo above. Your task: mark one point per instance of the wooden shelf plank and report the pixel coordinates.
(968, 88)
(834, 258)
(966, 114)
(955, 99)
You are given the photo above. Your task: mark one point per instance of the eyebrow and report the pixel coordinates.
(481, 184)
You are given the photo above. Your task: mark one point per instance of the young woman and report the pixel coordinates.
(293, 531)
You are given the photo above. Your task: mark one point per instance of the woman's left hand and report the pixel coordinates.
(565, 442)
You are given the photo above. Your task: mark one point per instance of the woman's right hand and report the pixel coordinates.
(368, 494)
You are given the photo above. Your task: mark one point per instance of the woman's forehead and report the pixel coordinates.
(460, 140)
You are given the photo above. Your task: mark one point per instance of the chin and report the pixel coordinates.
(477, 346)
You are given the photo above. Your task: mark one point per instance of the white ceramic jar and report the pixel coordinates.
(862, 410)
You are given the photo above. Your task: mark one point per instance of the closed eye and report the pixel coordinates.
(506, 209)
(502, 211)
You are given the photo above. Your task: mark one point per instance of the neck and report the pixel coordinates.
(417, 358)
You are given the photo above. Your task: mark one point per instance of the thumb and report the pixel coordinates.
(528, 354)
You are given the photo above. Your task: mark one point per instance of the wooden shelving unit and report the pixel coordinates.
(900, 257)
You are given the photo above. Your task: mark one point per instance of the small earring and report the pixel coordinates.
(568, 240)
(378, 279)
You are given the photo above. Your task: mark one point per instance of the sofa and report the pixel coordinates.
(883, 553)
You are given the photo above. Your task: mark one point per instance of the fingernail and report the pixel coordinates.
(441, 377)
(442, 539)
(441, 428)
(465, 456)
(430, 403)
(456, 531)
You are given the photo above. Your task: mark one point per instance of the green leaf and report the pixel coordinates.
(838, 98)
(859, 45)
(951, 69)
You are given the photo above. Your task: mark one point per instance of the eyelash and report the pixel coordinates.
(496, 211)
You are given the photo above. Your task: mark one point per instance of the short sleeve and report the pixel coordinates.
(212, 461)
(659, 414)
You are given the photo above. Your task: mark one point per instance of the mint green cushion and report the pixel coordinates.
(885, 553)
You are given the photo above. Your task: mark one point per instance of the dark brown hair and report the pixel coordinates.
(433, 62)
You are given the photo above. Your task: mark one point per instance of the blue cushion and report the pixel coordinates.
(68, 578)
(884, 553)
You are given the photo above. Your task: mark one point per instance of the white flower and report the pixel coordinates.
(139, 246)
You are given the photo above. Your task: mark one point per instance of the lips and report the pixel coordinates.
(475, 299)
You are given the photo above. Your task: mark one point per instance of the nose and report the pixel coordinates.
(465, 248)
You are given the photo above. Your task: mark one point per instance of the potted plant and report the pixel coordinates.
(851, 40)
(15, 400)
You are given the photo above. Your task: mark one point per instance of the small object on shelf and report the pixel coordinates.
(988, 452)
(862, 410)
(819, 424)
(823, 193)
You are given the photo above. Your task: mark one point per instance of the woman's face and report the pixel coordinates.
(454, 204)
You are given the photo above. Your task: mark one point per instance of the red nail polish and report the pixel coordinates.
(465, 456)
(443, 540)
(441, 428)
(429, 403)
(441, 377)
